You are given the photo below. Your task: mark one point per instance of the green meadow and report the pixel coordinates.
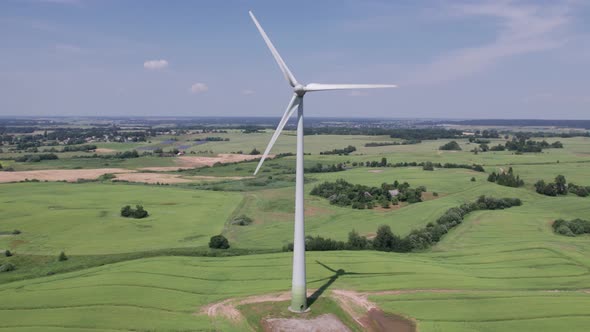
(500, 270)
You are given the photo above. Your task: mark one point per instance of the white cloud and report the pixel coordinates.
(522, 29)
(155, 64)
(199, 88)
(247, 92)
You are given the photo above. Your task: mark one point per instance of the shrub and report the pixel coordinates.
(473, 179)
(138, 213)
(16, 232)
(7, 267)
(126, 211)
(254, 152)
(62, 257)
(218, 242)
(7, 253)
(242, 220)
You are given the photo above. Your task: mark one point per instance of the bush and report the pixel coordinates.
(126, 211)
(16, 232)
(571, 227)
(138, 213)
(472, 179)
(218, 242)
(242, 220)
(7, 253)
(62, 257)
(7, 267)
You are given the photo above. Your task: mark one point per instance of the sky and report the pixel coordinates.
(451, 59)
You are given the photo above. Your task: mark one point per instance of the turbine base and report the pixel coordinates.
(299, 311)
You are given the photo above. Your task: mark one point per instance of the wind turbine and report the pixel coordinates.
(298, 286)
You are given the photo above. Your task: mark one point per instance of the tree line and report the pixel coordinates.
(559, 187)
(341, 152)
(418, 239)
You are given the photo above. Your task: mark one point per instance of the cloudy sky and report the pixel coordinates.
(451, 59)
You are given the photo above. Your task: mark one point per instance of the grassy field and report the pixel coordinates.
(499, 270)
(86, 220)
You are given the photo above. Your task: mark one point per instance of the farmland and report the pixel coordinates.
(498, 270)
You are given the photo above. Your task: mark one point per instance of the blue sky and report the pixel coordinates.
(451, 59)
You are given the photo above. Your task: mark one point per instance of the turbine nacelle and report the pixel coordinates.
(299, 90)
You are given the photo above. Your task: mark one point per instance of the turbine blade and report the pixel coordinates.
(288, 112)
(322, 87)
(288, 75)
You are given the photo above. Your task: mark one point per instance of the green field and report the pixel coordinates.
(500, 270)
(86, 220)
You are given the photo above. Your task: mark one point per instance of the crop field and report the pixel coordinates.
(499, 270)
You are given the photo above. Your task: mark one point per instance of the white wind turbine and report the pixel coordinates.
(298, 286)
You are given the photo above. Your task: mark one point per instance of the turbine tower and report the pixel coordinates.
(298, 286)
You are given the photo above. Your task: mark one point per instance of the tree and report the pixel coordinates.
(7, 253)
(383, 162)
(254, 152)
(428, 166)
(561, 185)
(218, 242)
(472, 179)
(384, 240)
(62, 257)
(452, 145)
(356, 242)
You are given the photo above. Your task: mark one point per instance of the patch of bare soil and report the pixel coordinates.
(311, 211)
(70, 175)
(152, 178)
(375, 171)
(227, 308)
(190, 162)
(377, 320)
(224, 158)
(104, 150)
(428, 196)
(368, 315)
(322, 323)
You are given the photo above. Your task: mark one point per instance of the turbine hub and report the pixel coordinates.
(299, 90)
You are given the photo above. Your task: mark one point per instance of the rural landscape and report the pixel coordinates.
(158, 173)
(159, 225)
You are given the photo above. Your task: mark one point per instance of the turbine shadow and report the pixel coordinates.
(337, 273)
